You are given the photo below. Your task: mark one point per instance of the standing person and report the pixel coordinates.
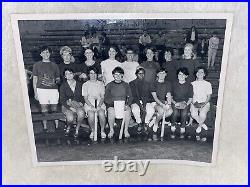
(89, 62)
(212, 49)
(118, 90)
(108, 65)
(202, 49)
(142, 105)
(94, 90)
(68, 61)
(86, 40)
(150, 66)
(72, 101)
(170, 65)
(161, 92)
(188, 61)
(202, 94)
(192, 36)
(104, 45)
(129, 66)
(144, 41)
(182, 94)
(46, 77)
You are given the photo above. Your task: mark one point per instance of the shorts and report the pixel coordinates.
(48, 96)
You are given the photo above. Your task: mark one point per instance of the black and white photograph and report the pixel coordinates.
(130, 86)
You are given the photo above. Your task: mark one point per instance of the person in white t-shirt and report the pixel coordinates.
(109, 64)
(200, 106)
(129, 66)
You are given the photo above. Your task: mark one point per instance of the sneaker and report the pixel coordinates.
(204, 139)
(198, 130)
(91, 136)
(155, 138)
(173, 128)
(103, 135)
(126, 134)
(182, 136)
(198, 138)
(67, 132)
(182, 130)
(76, 134)
(204, 126)
(155, 127)
(111, 134)
(172, 136)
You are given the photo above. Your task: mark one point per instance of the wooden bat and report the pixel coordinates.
(163, 124)
(123, 120)
(95, 132)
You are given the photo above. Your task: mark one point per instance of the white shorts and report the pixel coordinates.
(48, 96)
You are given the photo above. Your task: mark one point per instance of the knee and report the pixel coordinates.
(135, 109)
(80, 113)
(69, 117)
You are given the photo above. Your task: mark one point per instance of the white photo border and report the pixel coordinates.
(85, 16)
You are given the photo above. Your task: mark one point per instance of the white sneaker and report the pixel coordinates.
(103, 135)
(182, 130)
(198, 138)
(152, 122)
(155, 127)
(181, 136)
(204, 139)
(172, 136)
(204, 126)
(126, 134)
(173, 128)
(198, 130)
(111, 134)
(91, 136)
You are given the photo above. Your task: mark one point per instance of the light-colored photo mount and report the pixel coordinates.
(129, 20)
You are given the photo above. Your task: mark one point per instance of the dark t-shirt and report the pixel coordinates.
(150, 70)
(182, 92)
(83, 68)
(47, 73)
(190, 64)
(171, 67)
(161, 89)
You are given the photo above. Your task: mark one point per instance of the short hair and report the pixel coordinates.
(161, 70)
(114, 47)
(204, 69)
(169, 49)
(149, 48)
(92, 68)
(189, 45)
(139, 69)
(65, 49)
(129, 49)
(182, 70)
(44, 48)
(68, 69)
(118, 70)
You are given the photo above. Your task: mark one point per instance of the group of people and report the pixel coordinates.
(173, 89)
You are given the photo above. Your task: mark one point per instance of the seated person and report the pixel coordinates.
(72, 101)
(202, 93)
(142, 106)
(182, 94)
(94, 90)
(118, 90)
(161, 92)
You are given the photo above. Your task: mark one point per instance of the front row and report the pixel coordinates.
(148, 103)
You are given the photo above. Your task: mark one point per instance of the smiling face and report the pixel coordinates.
(161, 75)
(141, 74)
(149, 55)
(66, 57)
(182, 77)
(45, 55)
(112, 53)
(200, 74)
(89, 54)
(92, 75)
(168, 56)
(69, 75)
(118, 77)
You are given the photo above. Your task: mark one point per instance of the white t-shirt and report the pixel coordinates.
(129, 70)
(93, 90)
(201, 90)
(107, 68)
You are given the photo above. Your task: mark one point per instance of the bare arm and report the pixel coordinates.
(34, 86)
(156, 99)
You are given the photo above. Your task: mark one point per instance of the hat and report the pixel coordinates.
(65, 49)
